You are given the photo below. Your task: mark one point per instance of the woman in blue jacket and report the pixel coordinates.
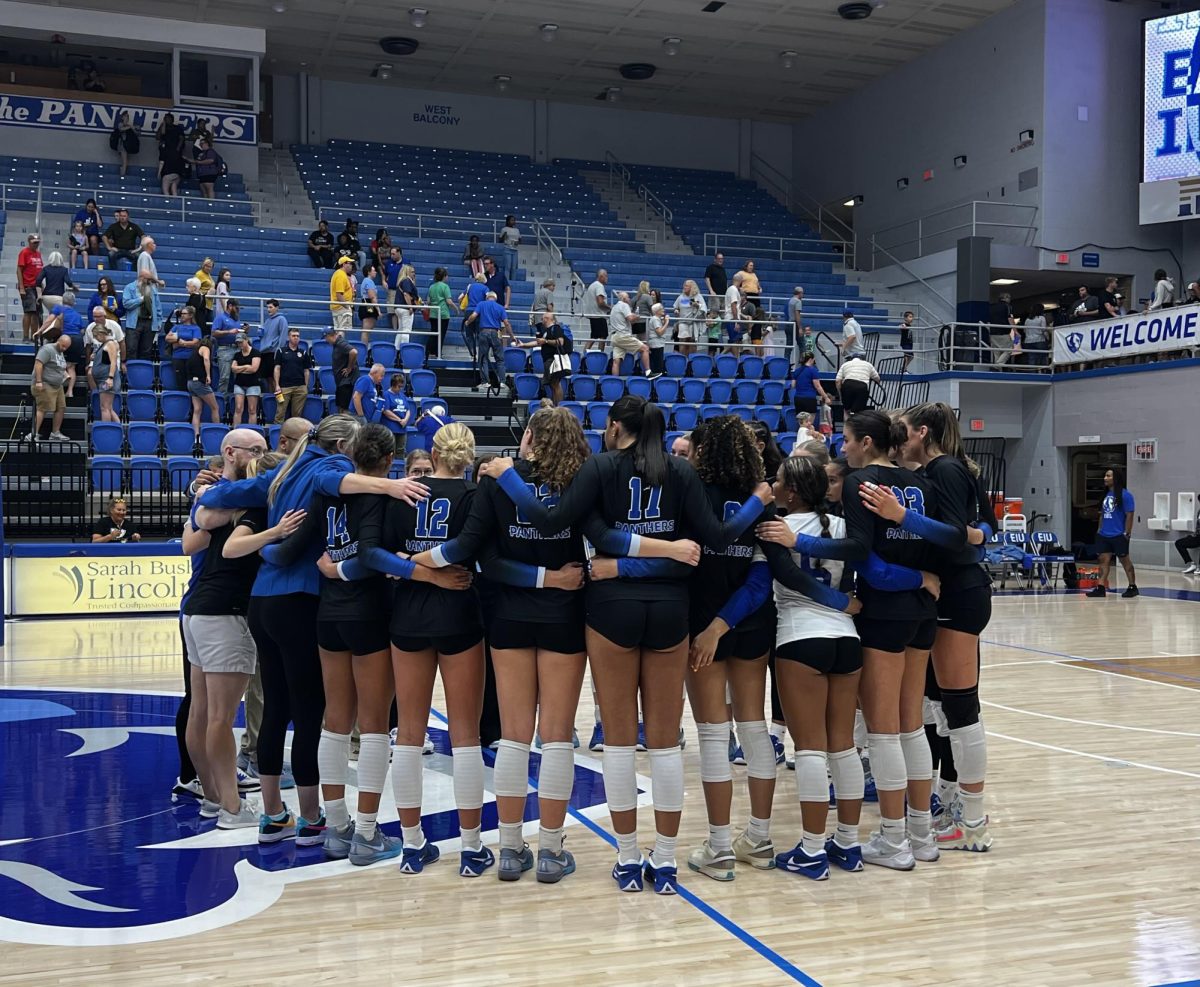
(283, 616)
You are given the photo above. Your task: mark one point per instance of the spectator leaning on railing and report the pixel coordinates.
(1164, 292)
(49, 398)
(122, 239)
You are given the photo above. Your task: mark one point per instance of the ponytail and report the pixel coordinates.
(645, 422)
(943, 431)
(331, 434)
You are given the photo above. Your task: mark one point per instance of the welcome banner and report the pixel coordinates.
(1128, 335)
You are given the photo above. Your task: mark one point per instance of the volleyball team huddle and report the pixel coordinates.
(663, 572)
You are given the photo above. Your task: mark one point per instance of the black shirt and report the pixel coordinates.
(322, 240)
(341, 360)
(906, 336)
(716, 275)
(957, 493)
(291, 365)
(223, 586)
(105, 526)
(554, 342)
(246, 377)
(722, 574)
(423, 609)
(1108, 298)
(195, 366)
(124, 238)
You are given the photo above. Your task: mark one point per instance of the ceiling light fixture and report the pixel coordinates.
(788, 58)
(1004, 282)
(417, 16)
(612, 93)
(854, 200)
(671, 46)
(502, 81)
(960, 161)
(279, 7)
(549, 32)
(901, 184)
(383, 70)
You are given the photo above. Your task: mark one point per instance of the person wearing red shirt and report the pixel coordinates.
(29, 266)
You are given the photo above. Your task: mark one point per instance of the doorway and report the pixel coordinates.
(1086, 466)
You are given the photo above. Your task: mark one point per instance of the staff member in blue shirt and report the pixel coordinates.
(366, 401)
(808, 389)
(1116, 525)
(396, 412)
(492, 319)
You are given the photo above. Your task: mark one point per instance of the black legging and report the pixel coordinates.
(187, 770)
(855, 396)
(1183, 544)
(285, 631)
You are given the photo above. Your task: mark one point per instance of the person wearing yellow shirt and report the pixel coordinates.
(208, 287)
(341, 290)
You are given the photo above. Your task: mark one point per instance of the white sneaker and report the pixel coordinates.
(880, 850)
(1189, 569)
(244, 818)
(59, 437)
(924, 848)
(31, 437)
(209, 809)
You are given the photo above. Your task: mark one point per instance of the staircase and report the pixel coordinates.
(279, 190)
(622, 198)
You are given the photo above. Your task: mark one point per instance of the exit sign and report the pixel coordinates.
(976, 424)
(1062, 258)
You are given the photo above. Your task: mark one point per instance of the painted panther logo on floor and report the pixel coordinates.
(93, 851)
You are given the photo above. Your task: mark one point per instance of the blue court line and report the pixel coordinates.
(696, 901)
(1182, 983)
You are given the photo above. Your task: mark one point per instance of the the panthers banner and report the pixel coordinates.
(1128, 335)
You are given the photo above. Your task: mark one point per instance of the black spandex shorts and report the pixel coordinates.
(599, 326)
(748, 644)
(966, 610)
(565, 638)
(1117, 545)
(895, 635)
(827, 655)
(359, 637)
(806, 404)
(657, 625)
(443, 644)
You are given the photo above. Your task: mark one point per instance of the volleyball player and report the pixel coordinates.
(283, 615)
(932, 439)
(1112, 538)
(637, 633)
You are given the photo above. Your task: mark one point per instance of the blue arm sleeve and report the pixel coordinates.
(238, 493)
(631, 568)
(510, 572)
(752, 595)
(942, 535)
(839, 549)
(887, 577)
(354, 569)
(378, 560)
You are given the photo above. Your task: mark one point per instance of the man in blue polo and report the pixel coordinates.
(365, 402)
(492, 320)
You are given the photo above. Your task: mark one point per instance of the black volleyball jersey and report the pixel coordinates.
(958, 505)
(875, 534)
(223, 586)
(721, 574)
(423, 609)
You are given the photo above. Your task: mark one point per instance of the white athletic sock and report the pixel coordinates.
(758, 830)
(550, 839)
(596, 714)
(663, 854)
(946, 790)
(919, 823)
(972, 807)
(861, 740)
(366, 824)
(336, 814)
(813, 843)
(720, 837)
(510, 836)
(627, 848)
(846, 835)
(470, 839)
(893, 830)
(413, 836)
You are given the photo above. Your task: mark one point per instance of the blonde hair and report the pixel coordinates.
(329, 435)
(643, 287)
(263, 464)
(690, 288)
(407, 271)
(455, 447)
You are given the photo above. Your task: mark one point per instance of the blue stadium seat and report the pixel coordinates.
(595, 363)
(145, 473)
(700, 365)
(720, 391)
(413, 440)
(423, 383)
(384, 353)
(789, 420)
(107, 474)
(143, 439)
(412, 356)
(786, 442)
(118, 404)
(314, 409)
(181, 471)
(693, 389)
(597, 414)
(710, 411)
(584, 388)
(627, 365)
(273, 434)
(577, 409)
(611, 388)
(746, 391)
(686, 416)
(595, 440)
(166, 376)
(178, 439)
(139, 375)
(142, 405)
(514, 360)
(639, 387)
(211, 437)
(528, 386)
(324, 377)
(743, 411)
(361, 347)
(752, 366)
(727, 366)
(769, 416)
(670, 439)
(536, 362)
(322, 353)
(666, 389)
(176, 406)
(675, 364)
(772, 392)
(776, 368)
(267, 409)
(107, 438)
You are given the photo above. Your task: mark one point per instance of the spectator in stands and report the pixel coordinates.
(734, 299)
(390, 268)
(428, 422)
(493, 320)
(396, 411)
(1087, 307)
(1164, 292)
(759, 327)
(851, 343)
(366, 402)
(596, 309)
(806, 431)
(115, 527)
(439, 310)
(247, 381)
(854, 384)
(1110, 306)
(62, 318)
(1037, 337)
(207, 167)
(320, 246)
(497, 282)
(906, 337)
(208, 287)
(808, 392)
(49, 397)
(510, 237)
(690, 315)
(53, 280)
(225, 329)
(750, 286)
(292, 368)
(352, 243)
(472, 257)
(716, 279)
(368, 297)
(418, 464)
(643, 299)
(341, 295)
(147, 270)
(198, 303)
(543, 301)
(345, 368)
(794, 324)
(170, 136)
(1193, 293)
(656, 336)
(556, 348)
(142, 318)
(93, 224)
(199, 385)
(183, 338)
(101, 317)
(681, 445)
(29, 268)
(77, 241)
(475, 294)
(222, 289)
(124, 140)
(273, 335)
(123, 239)
(620, 326)
(105, 373)
(380, 247)
(105, 296)
(408, 298)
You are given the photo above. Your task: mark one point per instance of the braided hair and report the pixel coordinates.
(805, 477)
(728, 458)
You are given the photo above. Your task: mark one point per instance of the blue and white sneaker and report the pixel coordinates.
(628, 876)
(188, 790)
(337, 841)
(597, 741)
(248, 783)
(474, 862)
(414, 858)
(272, 829)
(574, 738)
(248, 766)
(382, 847)
(553, 867)
(780, 756)
(736, 755)
(847, 858)
(935, 807)
(666, 879)
(641, 737)
(799, 861)
(310, 832)
(870, 794)
(514, 863)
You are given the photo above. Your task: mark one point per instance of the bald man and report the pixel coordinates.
(293, 430)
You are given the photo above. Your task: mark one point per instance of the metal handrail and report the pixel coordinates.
(614, 165)
(545, 244)
(619, 174)
(174, 206)
(712, 243)
(655, 203)
(951, 309)
(973, 224)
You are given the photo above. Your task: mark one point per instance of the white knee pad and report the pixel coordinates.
(714, 752)
(333, 757)
(373, 761)
(887, 762)
(468, 777)
(918, 759)
(847, 770)
(510, 777)
(620, 777)
(861, 739)
(969, 746)
(556, 779)
(666, 778)
(407, 772)
(812, 781)
(759, 751)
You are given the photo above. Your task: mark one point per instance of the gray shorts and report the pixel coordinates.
(220, 644)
